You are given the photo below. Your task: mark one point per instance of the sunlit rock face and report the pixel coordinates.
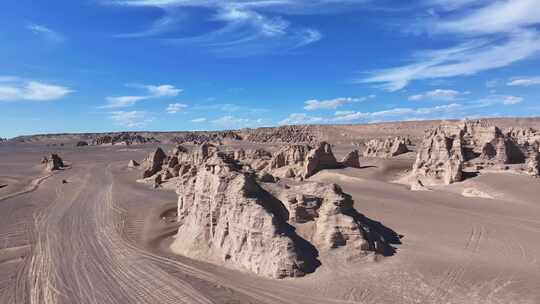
(447, 151)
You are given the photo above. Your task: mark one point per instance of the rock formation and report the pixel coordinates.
(125, 138)
(448, 150)
(286, 134)
(302, 161)
(387, 148)
(153, 162)
(226, 217)
(352, 159)
(319, 159)
(533, 163)
(133, 164)
(206, 137)
(440, 159)
(53, 163)
(81, 143)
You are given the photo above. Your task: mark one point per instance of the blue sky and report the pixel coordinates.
(109, 65)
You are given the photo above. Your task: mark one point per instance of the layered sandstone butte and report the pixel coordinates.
(387, 148)
(440, 158)
(447, 151)
(227, 217)
(303, 161)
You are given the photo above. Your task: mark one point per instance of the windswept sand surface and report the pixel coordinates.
(102, 238)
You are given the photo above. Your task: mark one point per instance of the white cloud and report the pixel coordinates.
(496, 17)
(466, 59)
(229, 108)
(17, 89)
(248, 27)
(443, 111)
(199, 120)
(525, 82)
(122, 101)
(230, 121)
(512, 100)
(449, 5)
(46, 33)
(497, 34)
(153, 91)
(438, 94)
(165, 90)
(347, 116)
(174, 108)
(301, 118)
(330, 104)
(130, 119)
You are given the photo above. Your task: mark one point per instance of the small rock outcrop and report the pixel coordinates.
(81, 143)
(319, 159)
(133, 164)
(302, 161)
(53, 163)
(387, 148)
(153, 162)
(351, 160)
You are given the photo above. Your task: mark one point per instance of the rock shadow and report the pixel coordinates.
(306, 252)
(381, 239)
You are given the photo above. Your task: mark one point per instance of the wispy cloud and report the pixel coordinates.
(438, 94)
(302, 118)
(524, 82)
(122, 101)
(497, 34)
(153, 91)
(453, 110)
(164, 90)
(228, 108)
(174, 108)
(199, 120)
(131, 119)
(495, 17)
(330, 104)
(18, 89)
(230, 122)
(46, 33)
(249, 27)
(465, 59)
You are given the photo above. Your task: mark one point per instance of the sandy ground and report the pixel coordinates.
(102, 238)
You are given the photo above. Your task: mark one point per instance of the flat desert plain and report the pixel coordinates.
(90, 233)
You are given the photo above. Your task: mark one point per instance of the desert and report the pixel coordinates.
(270, 218)
(270, 152)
